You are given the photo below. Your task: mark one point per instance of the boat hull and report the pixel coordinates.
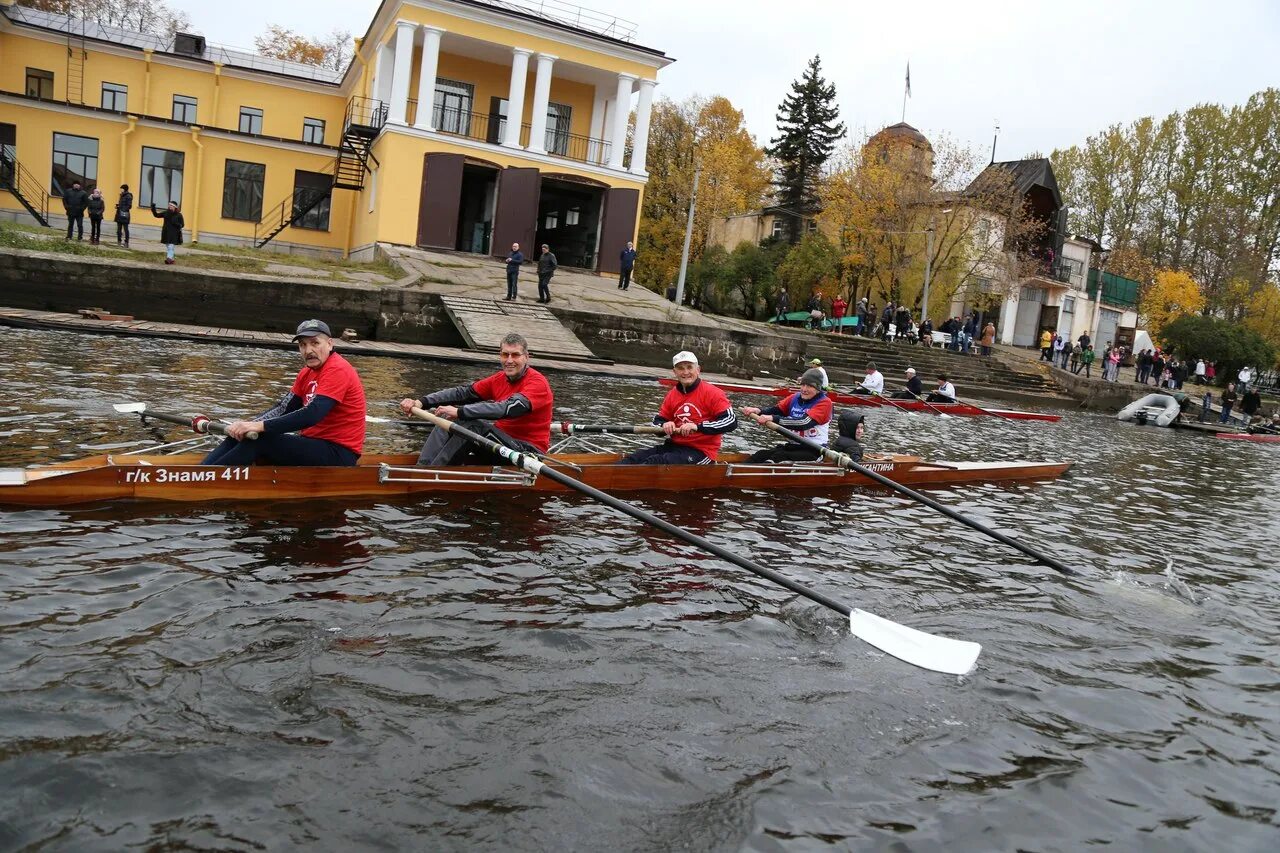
(1244, 436)
(964, 410)
(181, 479)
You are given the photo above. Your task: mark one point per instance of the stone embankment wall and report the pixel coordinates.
(403, 314)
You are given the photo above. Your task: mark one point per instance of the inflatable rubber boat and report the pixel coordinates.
(1158, 409)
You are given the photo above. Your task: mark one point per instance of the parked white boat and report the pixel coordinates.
(1160, 409)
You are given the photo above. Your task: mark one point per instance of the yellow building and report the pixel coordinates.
(262, 151)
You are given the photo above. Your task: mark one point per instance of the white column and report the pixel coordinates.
(621, 113)
(382, 75)
(541, 97)
(425, 119)
(640, 149)
(400, 71)
(515, 96)
(599, 108)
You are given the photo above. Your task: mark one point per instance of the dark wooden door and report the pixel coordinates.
(516, 217)
(441, 196)
(618, 227)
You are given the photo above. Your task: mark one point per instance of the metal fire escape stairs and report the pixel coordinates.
(363, 122)
(76, 55)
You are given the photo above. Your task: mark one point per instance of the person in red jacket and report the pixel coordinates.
(695, 415)
(325, 406)
(806, 413)
(838, 307)
(512, 406)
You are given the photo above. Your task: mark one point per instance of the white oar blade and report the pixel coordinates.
(927, 651)
(128, 408)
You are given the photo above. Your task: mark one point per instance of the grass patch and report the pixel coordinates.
(15, 236)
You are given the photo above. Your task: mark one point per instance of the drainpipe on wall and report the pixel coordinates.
(217, 89)
(146, 83)
(195, 209)
(355, 197)
(124, 159)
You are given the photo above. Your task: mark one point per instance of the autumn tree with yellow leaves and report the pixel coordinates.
(332, 51)
(697, 132)
(1172, 294)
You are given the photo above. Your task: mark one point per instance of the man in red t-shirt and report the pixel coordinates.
(695, 416)
(326, 406)
(513, 407)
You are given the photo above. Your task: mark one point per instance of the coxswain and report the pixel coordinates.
(944, 393)
(806, 413)
(872, 383)
(512, 407)
(325, 407)
(914, 389)
(850, 428)
(695, 415)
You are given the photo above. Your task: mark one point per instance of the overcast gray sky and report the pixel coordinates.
(1050, 73)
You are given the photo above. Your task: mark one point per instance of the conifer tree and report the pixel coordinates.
(807, 133)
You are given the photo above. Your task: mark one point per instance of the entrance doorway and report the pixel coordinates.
(569, 221)
(475, 208)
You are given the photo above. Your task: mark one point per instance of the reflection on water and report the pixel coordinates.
(525, 671)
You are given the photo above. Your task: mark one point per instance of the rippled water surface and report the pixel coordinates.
(532, 672)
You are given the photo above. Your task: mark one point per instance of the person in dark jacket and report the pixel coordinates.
(97, 207)
(851, 428)
(514, 260)
(124, 212)
(546, 268)
(75, 200)
(171, 230)
(628, 263)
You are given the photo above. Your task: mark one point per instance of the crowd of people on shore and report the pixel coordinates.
(894, 323)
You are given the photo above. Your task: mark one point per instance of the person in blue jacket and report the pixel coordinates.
(514, 260)
(628, 259)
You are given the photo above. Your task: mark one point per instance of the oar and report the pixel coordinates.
(928, 651)
(845, 461)
(567, 428)
(198, 423)
(892, 402)
(939, 412)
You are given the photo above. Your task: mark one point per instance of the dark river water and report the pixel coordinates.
(539, 673)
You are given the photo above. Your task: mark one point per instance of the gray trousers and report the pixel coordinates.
(444, 448)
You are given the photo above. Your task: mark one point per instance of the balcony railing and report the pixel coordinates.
(365, 114)
(484, 127)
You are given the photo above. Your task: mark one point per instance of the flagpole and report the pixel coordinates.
(906, 92)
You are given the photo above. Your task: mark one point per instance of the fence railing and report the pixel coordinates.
(484, 127)
(365, 113)
(17, 179)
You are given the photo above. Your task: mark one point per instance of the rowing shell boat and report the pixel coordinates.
(179, 477)
(1248, 436)
(965, 410)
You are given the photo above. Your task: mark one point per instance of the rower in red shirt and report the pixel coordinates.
(513, 407)
(326, 406)
(695, 415)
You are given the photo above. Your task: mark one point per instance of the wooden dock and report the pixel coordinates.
(483, 323)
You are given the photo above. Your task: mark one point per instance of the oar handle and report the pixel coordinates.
(567, 428)
(847, 462)
(198, 423)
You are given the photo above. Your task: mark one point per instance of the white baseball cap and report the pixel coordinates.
(911, 370)
(684, 355)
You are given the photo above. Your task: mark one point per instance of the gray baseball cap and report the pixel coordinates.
(311, 328)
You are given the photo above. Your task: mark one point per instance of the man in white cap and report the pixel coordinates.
(914, 389)
(695, 415)
(325, 406)
(816, 364)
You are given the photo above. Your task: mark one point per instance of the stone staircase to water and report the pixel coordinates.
(845, 359)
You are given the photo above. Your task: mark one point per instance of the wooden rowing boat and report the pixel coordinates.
(965, 410)
(179, 478)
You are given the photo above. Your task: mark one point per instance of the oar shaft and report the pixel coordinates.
(619, 429)
(535, 467)
(842, 459)
(199, 423)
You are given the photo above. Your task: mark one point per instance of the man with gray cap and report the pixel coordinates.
(806, 413)
(325, 406)
(695, 415)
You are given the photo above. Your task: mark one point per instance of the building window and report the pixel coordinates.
(313, 131)
(161, 177)
(75, 158)
(811, 226)
(250, 120)
(242, 190)
(779, 229)
(552, 221)
(311, 196)
(572, 216)
(39, 84)
(558, 118)
(453, 106)
(184, 109)
(115, 97)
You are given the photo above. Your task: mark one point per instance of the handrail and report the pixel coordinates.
(18, 180)
(482, 127)
(297, 204)
(364, 112)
